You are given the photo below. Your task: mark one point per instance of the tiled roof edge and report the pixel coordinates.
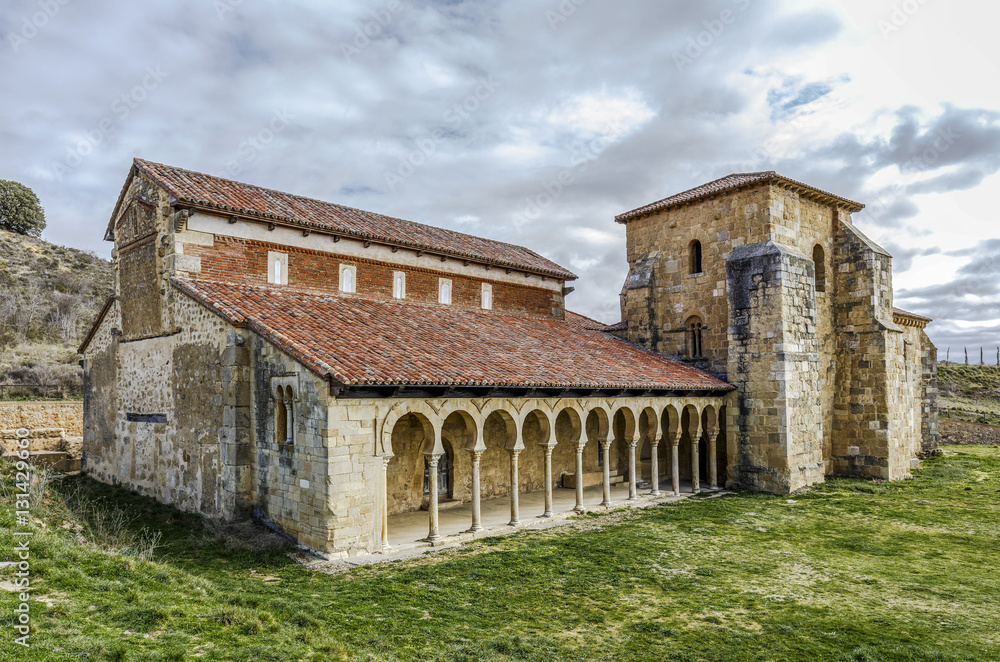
(752, 179)
(141, 165)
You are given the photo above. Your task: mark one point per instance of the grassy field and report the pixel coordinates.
(970, 393)
(853, 571)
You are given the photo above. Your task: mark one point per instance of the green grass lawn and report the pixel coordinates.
(854, 570)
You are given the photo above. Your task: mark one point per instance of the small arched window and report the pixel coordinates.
(487, 296)
(696, 257)
(819, 258)
(283, 415)
(694, 327)
(399, 285)
(348, 279)
(444, 291)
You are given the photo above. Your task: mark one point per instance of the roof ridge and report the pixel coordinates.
(297, 196)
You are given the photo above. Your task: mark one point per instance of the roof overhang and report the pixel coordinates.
(766, 179)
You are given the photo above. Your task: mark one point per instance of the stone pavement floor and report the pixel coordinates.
(407, 531)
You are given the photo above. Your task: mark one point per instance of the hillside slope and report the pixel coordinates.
(970, 393)
(49, 296)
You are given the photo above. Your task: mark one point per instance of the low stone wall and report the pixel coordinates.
(963, 432)
(67, 415)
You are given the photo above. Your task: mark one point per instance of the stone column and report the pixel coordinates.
(676, 477)
(695, 468)
(385, 501)
(606, 445)
(477, 519)
(515, 490)
(434, 535)
(654, 466)
(289, 421)
(713, 469)
(548, 480)
(632, 486)
(579, 476)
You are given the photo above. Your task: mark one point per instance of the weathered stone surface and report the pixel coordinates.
(33, 415)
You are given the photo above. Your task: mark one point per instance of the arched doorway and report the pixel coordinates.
(445, 481)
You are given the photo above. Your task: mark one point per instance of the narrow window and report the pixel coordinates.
(696, 257)
(819, 257)
(399, 285)
(277, 268)
(444, 291)
(280, 416)
(695, 349)
(487, 296)
(289, 416)
(348, 279)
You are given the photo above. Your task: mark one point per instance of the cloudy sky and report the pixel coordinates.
(463, 114)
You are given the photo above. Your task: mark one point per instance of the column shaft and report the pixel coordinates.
(385, 502)
(633, 492)
(676, 478)
(548, 482)
(477, 523)
(434, 535)
(515, 489)
(695, 463)
(606, 445)
(654, 468)
(713, 468)
(579, 478)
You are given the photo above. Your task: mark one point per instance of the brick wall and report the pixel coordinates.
(234, 259)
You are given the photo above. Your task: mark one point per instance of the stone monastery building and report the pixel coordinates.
(327, 369)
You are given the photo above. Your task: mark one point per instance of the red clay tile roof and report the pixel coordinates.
(231, 197)
(728, 183)
(904, 313)
(365, 342)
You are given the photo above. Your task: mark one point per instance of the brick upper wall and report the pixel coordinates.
(245, 261)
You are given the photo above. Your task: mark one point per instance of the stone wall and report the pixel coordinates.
(290, 482)
(962, 432)
(774, 361)
(876, 379)
(34, 415)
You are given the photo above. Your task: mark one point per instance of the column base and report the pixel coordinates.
(579, 510)
(547, 513)
(655, 493)
(514, 523)
(606, 504)
(433, 539)
(474, 529)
